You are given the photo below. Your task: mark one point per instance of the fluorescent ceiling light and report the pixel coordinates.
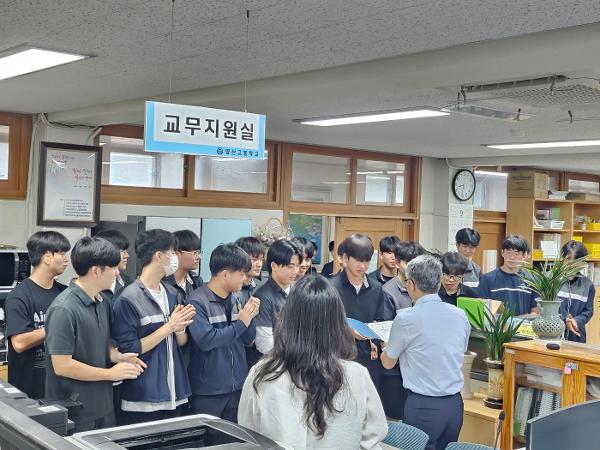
(28, 59)
(552, 144)
(490, 173)
(372, 116)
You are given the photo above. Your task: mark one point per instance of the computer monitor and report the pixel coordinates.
(571, 428)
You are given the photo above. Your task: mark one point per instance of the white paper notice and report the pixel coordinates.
(459, 216)
(383, 329)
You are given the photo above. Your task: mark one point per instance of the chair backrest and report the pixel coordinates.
(467, 446)
(406, 437)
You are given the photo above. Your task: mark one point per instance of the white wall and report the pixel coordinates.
(436, 198)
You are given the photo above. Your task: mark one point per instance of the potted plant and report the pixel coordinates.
(497, 330)
(546, 280)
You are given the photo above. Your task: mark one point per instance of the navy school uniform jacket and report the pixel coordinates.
(218, 343)
(136, 315)
(577, 297)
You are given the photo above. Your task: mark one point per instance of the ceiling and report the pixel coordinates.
(311, 58)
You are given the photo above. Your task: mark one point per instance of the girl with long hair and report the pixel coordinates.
(308, 393)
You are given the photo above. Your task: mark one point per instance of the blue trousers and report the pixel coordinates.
(440, 417)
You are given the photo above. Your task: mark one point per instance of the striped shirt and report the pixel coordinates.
(508, 288)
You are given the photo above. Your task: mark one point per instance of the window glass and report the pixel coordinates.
(490, 191)
(3, 152)
(584, 186)
(319, 178)
(124, 163)
(232, 174)
(379, 182)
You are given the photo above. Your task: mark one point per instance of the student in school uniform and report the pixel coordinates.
(577, 295)
(122, 243)
(327, 270)
(363, 299)
(187, 249)
(405, 252)
(151, 320)
(308, 249)
(283, 261)
(505, 283)
(26, 307)
(256, 250)
(121, 281)
(219, 334)
(387, 258)
(454, 268)
(467, 241)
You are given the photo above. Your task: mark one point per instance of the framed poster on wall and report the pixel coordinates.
(69, 185)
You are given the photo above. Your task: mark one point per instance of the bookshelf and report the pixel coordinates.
(520, 220)
(524, 398)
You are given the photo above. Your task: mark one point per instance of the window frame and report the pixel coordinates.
(412, 181)
(19, 144)
(188, 195)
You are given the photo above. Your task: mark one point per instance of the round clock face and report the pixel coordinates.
(463, 185)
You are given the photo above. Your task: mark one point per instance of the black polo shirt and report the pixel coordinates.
(463, 291)
(367, 305)
(79, 326)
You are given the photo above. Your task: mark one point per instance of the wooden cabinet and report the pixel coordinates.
(4, 373)
(480, 423)
(568, 375)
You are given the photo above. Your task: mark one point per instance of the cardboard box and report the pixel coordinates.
(528, 183)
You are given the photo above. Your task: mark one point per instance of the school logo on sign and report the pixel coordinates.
(196, 130)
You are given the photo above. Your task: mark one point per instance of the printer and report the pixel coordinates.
(199, 431)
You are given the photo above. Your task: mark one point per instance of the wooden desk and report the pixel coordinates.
(479, 422)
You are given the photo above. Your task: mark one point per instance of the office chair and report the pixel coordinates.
(406, 437)
(467, 446)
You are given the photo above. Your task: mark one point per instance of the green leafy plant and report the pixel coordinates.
(547, 279)
(497, 330)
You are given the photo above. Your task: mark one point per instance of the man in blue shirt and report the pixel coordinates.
(505, 283)
(430, 340)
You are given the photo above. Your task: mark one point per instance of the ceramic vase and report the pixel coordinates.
(495, 384)
(549, 324)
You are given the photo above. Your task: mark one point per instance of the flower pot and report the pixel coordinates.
(495, 384)
(549, 325)
(466, 391)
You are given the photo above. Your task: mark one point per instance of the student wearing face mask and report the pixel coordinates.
(150, 320)
(187, 249)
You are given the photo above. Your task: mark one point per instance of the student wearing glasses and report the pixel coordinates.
(454, 267)
(505, 282)
(187, 249)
